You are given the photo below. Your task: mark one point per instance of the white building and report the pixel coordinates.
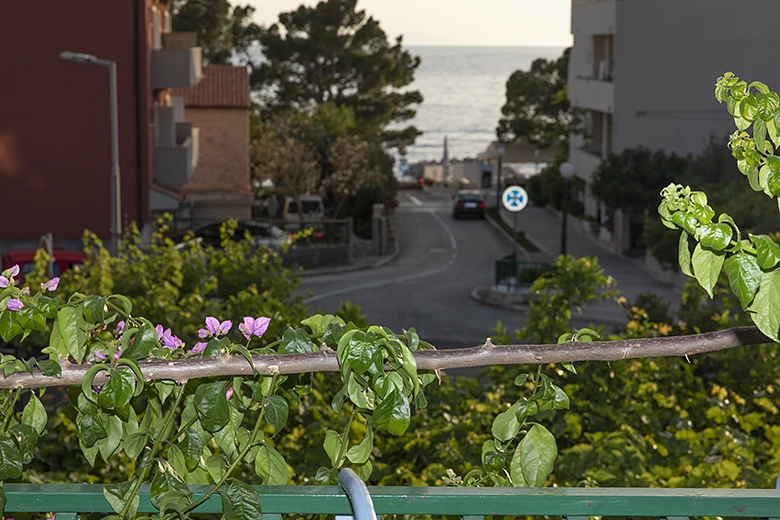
(644, 71)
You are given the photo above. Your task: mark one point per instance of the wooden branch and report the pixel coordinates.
(485, 355)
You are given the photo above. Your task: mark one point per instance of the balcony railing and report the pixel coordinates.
(68, 500)
(173, 165)
(179, 64)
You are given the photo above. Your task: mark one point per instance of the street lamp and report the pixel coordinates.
(567, 172)
(500, 151)
(116, 200)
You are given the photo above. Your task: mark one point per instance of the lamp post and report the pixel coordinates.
(500, 151)
(116, 199)
(567, 172)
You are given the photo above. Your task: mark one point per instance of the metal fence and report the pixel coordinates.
(511, 271)
(67, 501)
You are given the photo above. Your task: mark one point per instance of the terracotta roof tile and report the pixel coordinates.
(222, 86)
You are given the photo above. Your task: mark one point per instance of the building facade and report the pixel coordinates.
(55, 147)
(643, 72)
(219, 107)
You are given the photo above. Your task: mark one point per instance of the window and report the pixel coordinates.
(311, 206)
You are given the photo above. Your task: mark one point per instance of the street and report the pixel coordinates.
(428, 285)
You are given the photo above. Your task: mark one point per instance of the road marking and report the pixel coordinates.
(415, 200)
(408, 278)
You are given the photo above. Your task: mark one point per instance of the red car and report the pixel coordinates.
(63, 260)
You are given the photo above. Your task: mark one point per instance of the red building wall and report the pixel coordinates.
(55, 155)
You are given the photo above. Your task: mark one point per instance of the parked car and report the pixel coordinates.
(25, 259)
(409, 182)
(312, 211)
(469, 203)
(263, 233)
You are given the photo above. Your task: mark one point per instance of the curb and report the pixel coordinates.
(508, 237)
(381, 262)
(474, 295)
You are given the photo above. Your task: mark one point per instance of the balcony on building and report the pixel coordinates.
(595, 90)
(587, 154)
(176, 148)
(593, 17)
(178, 64)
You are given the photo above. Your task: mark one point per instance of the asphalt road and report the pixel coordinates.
(428, 285)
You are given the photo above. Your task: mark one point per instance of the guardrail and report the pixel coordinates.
(67, 501)
(519, 273)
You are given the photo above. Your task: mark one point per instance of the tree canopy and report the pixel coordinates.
(632, 179)
(335, 53)
(537, 108)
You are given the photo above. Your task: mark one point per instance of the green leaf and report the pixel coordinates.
(118, 391)
(143, 343)
(270, 466)
(706, 267)
(90, 429)
(767, 251)
(109, 445)
(505, 425)
(765, 309)
(361, 351)
(191, 447)
(94, 309)
(10, 460)
(570, 367)
(393, 414)
(359, 453)
(177, 461)
(364, 470)
(715, 236)
(216, 466)
(276, 411)
(134, 444)
(535, 456)
(319, 323)
(48, 306)
(327, 476)
(166, 481)
(295, 341)
(26, 437)
(49, 368)
(240, 501)
(684, 254)
(561, 401)
(521, 379)
(9, 326)
(686, 221)
(70, 333)
(744, 276)
(117, 496)
(409, 364)
(34, 414)
(212, 406)
(30, 318)
(759, 135)
(332, 445)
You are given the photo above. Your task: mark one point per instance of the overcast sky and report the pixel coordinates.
(457, 22)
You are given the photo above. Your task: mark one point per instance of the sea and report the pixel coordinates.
(463, 91)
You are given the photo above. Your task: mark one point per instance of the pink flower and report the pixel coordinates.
(26, 291)
(14, 304)
(215, 328)
(159, 330)
(198, 348)
(254, 326)
(99, 355)
(4, 282)
(51, 285)
(120, 327)
(14, 271)
(118, 355)
(229, 393)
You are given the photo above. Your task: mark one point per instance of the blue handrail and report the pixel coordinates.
(359, 497)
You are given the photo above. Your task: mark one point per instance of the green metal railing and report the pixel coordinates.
(522, 271)
(70, 500)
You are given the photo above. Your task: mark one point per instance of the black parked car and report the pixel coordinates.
(263, 233)
(469, 203)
